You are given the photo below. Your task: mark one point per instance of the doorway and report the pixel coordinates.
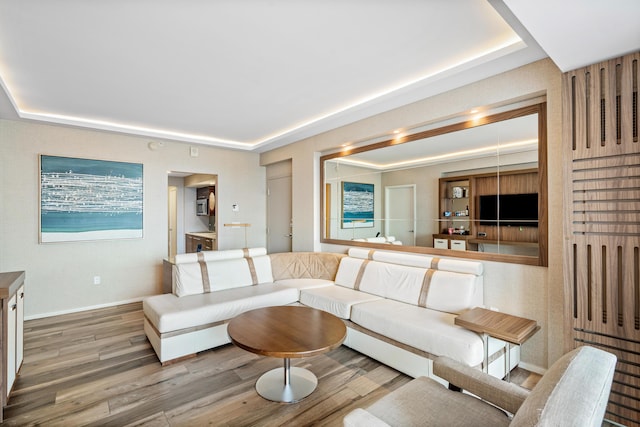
(183, 220)
(279, 208)
(400, 213)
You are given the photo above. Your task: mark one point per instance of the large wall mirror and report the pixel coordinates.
(473, 189)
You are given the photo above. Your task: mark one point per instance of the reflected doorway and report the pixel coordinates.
(400, 213)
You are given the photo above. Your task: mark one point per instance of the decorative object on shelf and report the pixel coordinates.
(85, 199)
(240, 225)
(456, 193)
(357, 205)
(212, 203)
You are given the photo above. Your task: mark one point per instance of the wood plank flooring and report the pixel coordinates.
(97, 368)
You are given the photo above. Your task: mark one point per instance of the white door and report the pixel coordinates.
(173, 223)
(279, 221)
(400, 213)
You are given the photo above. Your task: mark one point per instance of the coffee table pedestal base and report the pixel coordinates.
(287, 384)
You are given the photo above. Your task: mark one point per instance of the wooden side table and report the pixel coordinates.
(488, 323)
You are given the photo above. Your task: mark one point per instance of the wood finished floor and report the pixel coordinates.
(97, 368)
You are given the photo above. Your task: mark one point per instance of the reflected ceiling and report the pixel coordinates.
(505, 137)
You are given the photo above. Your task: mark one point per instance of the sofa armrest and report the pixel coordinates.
(500, 393)
(361, 418)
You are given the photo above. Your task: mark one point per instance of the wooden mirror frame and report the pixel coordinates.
(540, 260)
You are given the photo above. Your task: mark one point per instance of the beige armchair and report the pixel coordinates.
(573, 392)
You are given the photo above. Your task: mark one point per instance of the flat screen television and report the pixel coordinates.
(509, 209)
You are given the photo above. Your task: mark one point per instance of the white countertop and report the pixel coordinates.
(204, 234)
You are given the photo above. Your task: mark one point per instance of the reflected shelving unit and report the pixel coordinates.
(456, 205)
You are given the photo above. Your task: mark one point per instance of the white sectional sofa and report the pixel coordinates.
(398, 308)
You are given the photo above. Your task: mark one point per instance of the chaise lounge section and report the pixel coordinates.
(398, 308)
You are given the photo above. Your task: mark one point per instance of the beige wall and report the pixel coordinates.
(534, 292)
(60, 275)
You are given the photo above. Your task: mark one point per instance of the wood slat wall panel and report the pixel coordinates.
(602, 221)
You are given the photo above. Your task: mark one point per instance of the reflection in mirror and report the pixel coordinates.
(192, 220)
(472, 188)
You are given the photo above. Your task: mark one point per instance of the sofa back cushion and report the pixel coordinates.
(217, 270)
(349, 271)
(414, 260)
(393, 281)
(219, 255)
(305, 265)
(447, 291)
(452, 292)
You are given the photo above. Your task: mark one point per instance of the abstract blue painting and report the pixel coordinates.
(83, 199)
(357, 205)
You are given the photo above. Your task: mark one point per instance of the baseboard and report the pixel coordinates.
(77, 310)
(532, 368)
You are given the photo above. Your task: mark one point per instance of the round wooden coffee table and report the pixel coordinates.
(287, 331)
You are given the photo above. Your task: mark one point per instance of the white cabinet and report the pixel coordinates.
(458, 245)
(12, 325)
(15, 336)
(440, 243)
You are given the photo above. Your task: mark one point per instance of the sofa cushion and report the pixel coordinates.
(305, 265)
(425, 329)
(393, 281)
(168, 312)
(336, 300)
(304, 283)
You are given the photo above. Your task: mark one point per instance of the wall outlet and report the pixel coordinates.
(97, 280)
